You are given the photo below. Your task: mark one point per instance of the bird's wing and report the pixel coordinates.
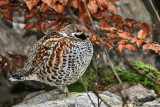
(38, 54)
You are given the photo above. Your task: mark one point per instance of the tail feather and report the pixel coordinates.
(18, 75)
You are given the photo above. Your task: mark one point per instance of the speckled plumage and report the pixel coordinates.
(59, 58)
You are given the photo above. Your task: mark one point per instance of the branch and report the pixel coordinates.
(154, 10)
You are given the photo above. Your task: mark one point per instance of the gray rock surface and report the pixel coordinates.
(51, 99)
(138, 93)
(139, 96)
(153, 103)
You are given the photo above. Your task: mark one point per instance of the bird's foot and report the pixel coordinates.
(63, 90)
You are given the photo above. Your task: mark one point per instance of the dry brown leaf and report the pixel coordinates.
(139, 42)
(44, 7)
(20, 9)
(131, 47)
(11, 65)
(145, 28)
(109, 28)
(52, 24)
(43, 27)
(58, 8)
(56, 5)
(129, 23)
(35, 11)
(29, 25)
(28, 15)
(4, 2)
(7, 14)
(111, 35)
(154, 46)
(113, 0)
(135, 39)
(92, 37)
(142, 34)
(92, 6)
(57, 28)
(100, 14)
(122, 42)
(74, 3)
(19, 61)
(146, 46)
(106, 43)
(63, 2)
(125, 35)
(84, 17)
(121, 47)
(38, 27)
(105, 4)
(103, 23)
(31, 3)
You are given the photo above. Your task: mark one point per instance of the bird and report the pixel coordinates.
(59, 58)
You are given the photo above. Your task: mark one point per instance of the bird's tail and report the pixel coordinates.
(18, 75)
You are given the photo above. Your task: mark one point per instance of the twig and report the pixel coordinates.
(95, 66)
(102, 99)
(87, 91)
(121, 84)
(94, 93)
(154, 10)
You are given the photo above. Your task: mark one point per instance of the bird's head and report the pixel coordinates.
(74, 31)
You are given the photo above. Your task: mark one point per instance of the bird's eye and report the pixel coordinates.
(82, 36)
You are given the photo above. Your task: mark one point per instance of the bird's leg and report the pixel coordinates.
(63, 90)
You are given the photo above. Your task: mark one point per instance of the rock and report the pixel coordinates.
(137, 93)
(155, 103)
(52, 99)
(139, 96)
